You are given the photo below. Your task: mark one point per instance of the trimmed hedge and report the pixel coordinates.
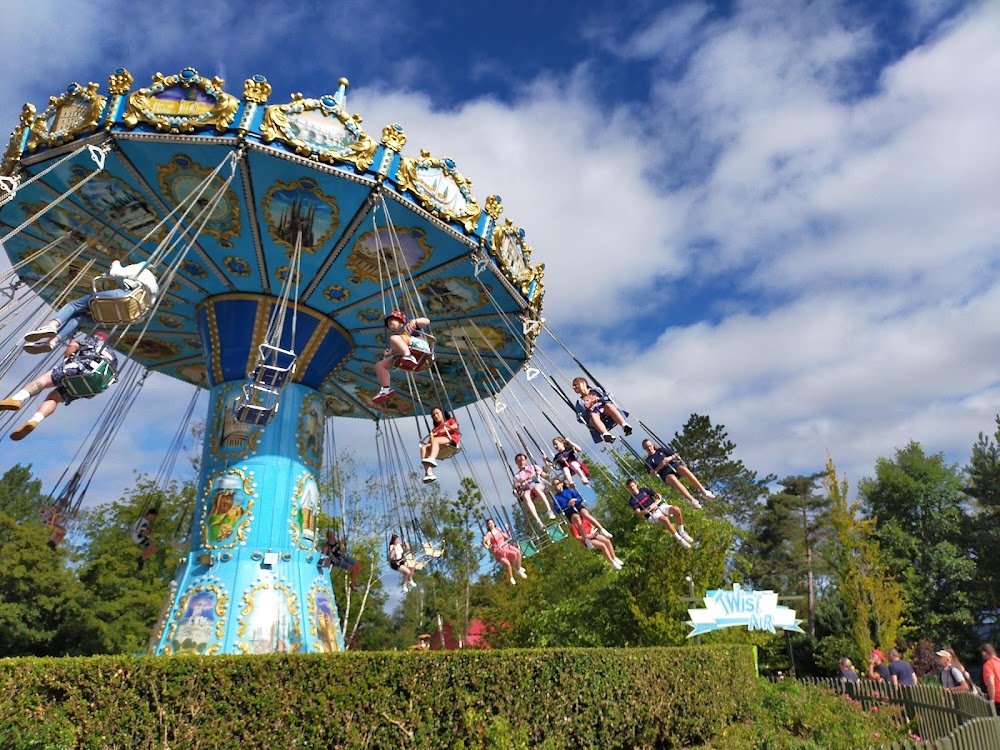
(579, 698)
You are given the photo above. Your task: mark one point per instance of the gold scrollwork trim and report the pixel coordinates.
(513, 256)
(221, 602)
(358, 148)
(223, 418)
(431, 197)
(12, 155)
(120, 82)
(67, 116)
(247, 608)
(240, 531)
(182, 117)
(256, 90)
(393, 137)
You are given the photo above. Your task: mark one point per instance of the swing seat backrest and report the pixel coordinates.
(422, 350)
(275, 366)
(95, 377)
(257, 405)
(117, 310)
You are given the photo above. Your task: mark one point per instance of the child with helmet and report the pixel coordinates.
(399, 339)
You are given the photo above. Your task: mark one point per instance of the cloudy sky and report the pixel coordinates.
(785, 215)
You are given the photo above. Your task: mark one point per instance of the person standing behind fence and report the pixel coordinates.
(847, 673)
(991, 673)
(877, 670)
(900, 671)
(952, 679)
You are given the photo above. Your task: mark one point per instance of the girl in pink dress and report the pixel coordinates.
(498, 542)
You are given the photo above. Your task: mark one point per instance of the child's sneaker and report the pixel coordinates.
(428, 462)
(41, 334)
(627, 429)
(696, 504)
(683, 542)
(10, 404)
(587, 543)
(428, 478)
(409, 358)
(522, 572)
(708, 495)
(607, 437)
(552, 516)
(512, 581)
(607, 533)
(686, 536)
(42, 346)
(23, 431)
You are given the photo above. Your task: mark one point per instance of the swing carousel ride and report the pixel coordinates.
(281, 236)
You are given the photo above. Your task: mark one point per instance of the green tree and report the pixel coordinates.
(126, 601)
(917, 502)
(44, 611)
(572, 597)
(984, 533)
(873, 602)
(786, 533)
(20, 494)
(708, 451)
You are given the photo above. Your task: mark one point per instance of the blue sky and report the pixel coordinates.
(784, 215)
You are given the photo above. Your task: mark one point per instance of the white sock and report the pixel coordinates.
(22, 395)
(38, 417)
(680, 530)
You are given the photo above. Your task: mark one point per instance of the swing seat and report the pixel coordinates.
(275, 367)
(445, 451)
(432, 552)
(84, 384)
(527, 548)
(118, 310)
(412, 562)
(422, 351)
(555, 532)
(258, 405)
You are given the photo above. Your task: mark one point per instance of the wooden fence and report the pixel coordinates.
(943, 720)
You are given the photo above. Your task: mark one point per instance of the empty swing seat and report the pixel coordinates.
(109, 307)
(257, 406)
(90, 379)
(275, 367)
(422, 350)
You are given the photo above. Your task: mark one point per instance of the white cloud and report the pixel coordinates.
(859, 230)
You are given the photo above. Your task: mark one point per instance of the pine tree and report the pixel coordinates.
(874, 601)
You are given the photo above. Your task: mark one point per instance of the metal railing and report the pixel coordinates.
(943, 720)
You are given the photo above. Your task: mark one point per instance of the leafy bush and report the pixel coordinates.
(790, 715)
(582, 698)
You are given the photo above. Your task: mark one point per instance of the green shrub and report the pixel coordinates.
(580, 698)
(790, 715)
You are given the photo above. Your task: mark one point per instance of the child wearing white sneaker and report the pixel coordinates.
(399, 340)
(647, 504)
(444, 432)
(397, 561)
(596, 410)
(572, 505)
(82, 356)
(529, 482)
(498, 542)
(568, 459)
(591, 537)
(667, 465)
